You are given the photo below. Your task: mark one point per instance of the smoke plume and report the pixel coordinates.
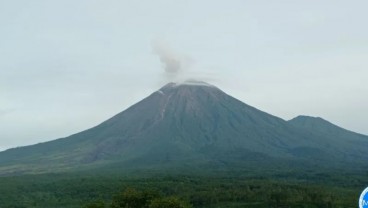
(172, 62)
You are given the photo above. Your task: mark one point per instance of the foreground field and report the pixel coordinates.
(76, 190)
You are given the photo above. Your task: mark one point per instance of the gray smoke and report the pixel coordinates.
(172, 62)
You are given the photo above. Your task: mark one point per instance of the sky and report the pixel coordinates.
(66, 66)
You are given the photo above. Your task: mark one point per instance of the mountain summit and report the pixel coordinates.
(189, 125)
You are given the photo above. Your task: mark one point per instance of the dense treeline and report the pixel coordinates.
(78, 191)
(132, 198)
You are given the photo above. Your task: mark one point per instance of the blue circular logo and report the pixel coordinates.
(363, 200)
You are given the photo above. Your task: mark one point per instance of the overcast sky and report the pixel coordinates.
(68, 65)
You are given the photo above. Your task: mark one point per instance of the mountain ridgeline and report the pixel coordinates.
(194, 126)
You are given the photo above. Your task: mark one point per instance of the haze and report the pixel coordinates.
(66, 66)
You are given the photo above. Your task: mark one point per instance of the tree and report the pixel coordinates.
(96, 204)
(132, 198)
(168, 202)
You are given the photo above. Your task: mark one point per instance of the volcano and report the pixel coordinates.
(193, 125)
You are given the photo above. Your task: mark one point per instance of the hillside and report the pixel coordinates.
(189, 126)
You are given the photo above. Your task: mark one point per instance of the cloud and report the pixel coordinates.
(4, 112)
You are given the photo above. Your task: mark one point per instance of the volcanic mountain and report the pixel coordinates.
(193, 125)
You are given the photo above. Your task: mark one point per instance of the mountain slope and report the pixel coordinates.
(353, 144)
(188, 125)
(320, 125)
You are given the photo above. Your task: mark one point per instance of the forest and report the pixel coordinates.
(181, 191)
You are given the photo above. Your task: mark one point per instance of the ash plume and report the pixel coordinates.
(172, 62)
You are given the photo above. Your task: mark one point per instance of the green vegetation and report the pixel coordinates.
(113, 191)
(131, 198)
(190, 146)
